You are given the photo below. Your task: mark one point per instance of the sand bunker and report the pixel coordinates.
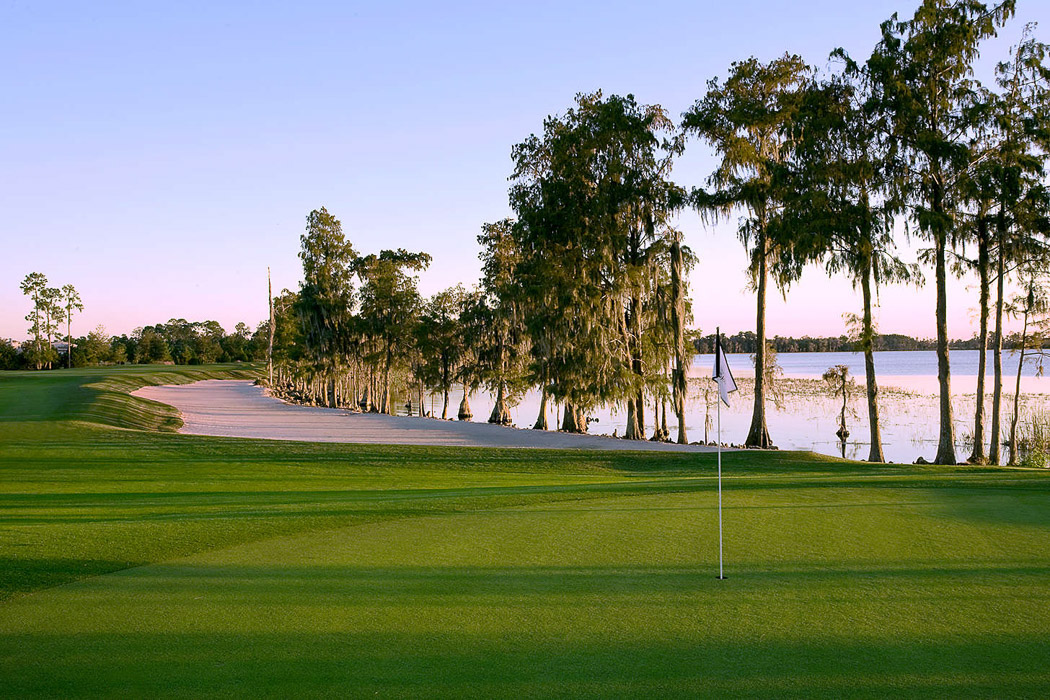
(238, 408)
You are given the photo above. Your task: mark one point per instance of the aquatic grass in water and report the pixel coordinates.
(1034, 439)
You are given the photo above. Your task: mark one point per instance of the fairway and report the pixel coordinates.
(139, 561)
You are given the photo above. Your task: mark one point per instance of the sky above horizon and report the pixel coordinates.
(159, 156)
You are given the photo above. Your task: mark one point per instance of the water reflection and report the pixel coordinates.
(808, 417)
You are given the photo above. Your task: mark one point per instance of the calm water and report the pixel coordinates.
(889, 364)
(808, 416)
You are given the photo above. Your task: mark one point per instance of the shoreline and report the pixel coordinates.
(240, 408)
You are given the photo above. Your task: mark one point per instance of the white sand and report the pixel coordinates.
(238, 408)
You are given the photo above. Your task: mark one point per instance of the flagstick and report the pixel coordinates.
(720, 576)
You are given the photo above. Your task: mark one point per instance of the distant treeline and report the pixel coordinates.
(178, 341)
(746, 342)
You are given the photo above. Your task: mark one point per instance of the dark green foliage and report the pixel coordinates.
(593, 199)
(390, 305)
(326, 296)
(440, 340)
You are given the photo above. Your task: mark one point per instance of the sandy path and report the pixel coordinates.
(238, 408)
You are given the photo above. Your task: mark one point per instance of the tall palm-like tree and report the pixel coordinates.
(747, 120)
(1012, 180)
(72, 302)
(33, 287)
(681, 260)
(1032, 306)
(921, 74)
(840, 206)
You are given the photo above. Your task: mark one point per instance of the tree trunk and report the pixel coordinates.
(680, 374)
(366, 398)
(500, 413)
(867, 342)
(568, 418)
(631, 431)
(679, 410)
(352, 386)
(37, 340)
(660, 431)
(946, 443)
(387, 407)
(978, 456)
(269, 352)
(995, 445)
(639, 404)
(464, 406)
(635, 429)
(758, 435)
(842, 414)
(541, 420)
(50, 332)
(571, 420)
(444, 408)
(1017, 393)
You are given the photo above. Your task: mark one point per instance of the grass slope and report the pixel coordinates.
(274, 568)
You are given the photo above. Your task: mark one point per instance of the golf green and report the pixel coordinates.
(143, 562)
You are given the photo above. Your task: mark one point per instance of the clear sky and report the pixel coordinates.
(159, 156)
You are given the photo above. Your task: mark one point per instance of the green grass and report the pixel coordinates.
(138, 561)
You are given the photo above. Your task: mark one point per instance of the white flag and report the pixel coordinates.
(722, 374)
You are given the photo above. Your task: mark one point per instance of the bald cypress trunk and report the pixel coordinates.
(679, 375)
(464, 406)
(568, 418)
(983, 264)
(946, 442)
(541, 420)
(758, 434)
(635, 429)
(500, 413)
(995, 446)
(867, 338)
(269, 351)
(660, 431)
(1017, 393)
(573, 420)
(387, 406)
(631, 430)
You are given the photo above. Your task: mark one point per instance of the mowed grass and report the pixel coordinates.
(137, 561)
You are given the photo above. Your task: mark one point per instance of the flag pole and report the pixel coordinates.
(718, 359)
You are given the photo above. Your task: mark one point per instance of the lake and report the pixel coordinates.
(900, 363)
(807, 416)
